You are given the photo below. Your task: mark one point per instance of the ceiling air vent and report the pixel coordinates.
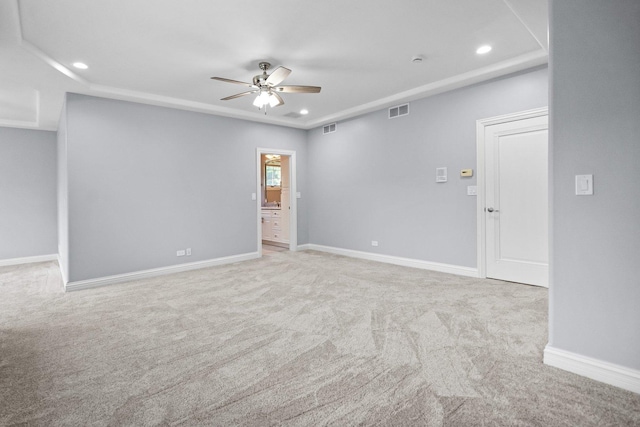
(329, 128)
(400, 110)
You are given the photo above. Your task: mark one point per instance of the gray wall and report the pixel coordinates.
(27, 193)
(595, 129)
(62, 196)
(146, 181)
(374, 179)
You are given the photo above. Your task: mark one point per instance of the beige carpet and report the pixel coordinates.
(291, 339)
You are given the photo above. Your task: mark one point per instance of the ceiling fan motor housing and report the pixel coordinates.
(260, 80)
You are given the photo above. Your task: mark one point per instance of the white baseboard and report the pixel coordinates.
(406, 262)
(28, 260)
(608, 373)
(136, 275)
(304, 247)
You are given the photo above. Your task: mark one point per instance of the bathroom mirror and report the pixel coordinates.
(272, 170)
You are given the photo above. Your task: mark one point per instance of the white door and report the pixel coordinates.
(516, 205)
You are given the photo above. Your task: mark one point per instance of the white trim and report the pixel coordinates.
(113, 92)
(543, 45)
(53, 63)
(28, 260)
(304, 247)
(144, 274)
(63, 273)
(480, 176)
(512, 65)
(389, 259)
(608, 373)
(293, 200)
(519, 63)
(26, 124)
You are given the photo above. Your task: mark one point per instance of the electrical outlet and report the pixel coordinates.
(374, 243)
(188, 251)
(180, 253)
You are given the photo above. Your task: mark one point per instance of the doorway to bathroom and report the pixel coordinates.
(276, 201)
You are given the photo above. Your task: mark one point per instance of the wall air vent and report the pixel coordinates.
(329, 128)
(400, 110)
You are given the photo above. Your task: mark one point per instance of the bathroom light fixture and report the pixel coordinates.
(483, 49)
(80, 65)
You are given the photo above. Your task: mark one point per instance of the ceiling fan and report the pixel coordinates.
(267, 87)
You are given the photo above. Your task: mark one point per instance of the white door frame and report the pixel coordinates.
(293, 200)
(481, 173)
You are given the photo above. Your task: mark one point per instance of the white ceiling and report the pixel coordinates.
(163, 52)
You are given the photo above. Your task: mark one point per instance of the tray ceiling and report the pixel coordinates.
(164, 52)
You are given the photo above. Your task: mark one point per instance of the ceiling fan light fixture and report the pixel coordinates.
(262, 99)
(273, 101)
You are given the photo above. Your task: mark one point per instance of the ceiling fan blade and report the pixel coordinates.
(238, 95)
(278, 75)
(298, 89)
(222, 79)
(279, 98)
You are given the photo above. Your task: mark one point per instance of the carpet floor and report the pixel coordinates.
(294, 339)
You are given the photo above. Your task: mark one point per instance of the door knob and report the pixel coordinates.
(492, 210)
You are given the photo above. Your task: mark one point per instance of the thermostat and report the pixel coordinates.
(466, 172)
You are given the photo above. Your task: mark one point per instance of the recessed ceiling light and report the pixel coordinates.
(483, 49)
(304, 111)
(80, 65)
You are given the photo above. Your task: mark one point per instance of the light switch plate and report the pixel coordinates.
(584, 185)
(298, 195)
(441, 174)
